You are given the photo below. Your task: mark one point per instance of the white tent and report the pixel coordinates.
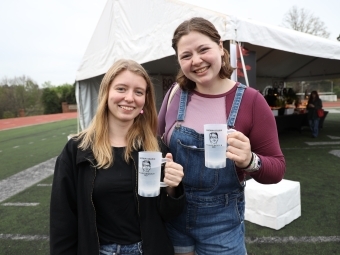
(142, 30)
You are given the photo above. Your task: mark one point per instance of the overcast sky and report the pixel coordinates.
(46, 39)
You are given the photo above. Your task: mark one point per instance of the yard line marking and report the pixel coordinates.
(322, 143)
(43, 185)
(24, 179)
(20, 204)
(335, 153)
(334, 137)
(24, 237)
(16, 147)
(292, 239)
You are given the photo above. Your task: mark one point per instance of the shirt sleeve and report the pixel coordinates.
(63, 208)
(264, 140)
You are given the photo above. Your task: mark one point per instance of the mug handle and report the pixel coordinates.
(163, 184)
(230, 130)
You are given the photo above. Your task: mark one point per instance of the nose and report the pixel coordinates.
(129, 97)
(196, 59)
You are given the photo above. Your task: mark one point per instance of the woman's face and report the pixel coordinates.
(199, 58)
(126, 98)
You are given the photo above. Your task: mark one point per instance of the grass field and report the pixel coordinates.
(24, 229)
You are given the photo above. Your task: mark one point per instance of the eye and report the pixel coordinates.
(185, 56)
(204, 49)
(139, 92)
(121, 89)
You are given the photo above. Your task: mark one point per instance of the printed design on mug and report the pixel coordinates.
(213, 138)
(146, 166)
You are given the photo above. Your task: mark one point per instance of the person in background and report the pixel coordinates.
(314, 104)
(95, 207)
(270, 98)
(213, 219)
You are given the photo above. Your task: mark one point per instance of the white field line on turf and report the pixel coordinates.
(24, 179)
(322, 143)
(23, 237)
(335, 153)
(292, 239)
(43, 185)
(20, 204)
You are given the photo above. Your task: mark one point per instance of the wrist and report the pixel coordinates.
(254, 165)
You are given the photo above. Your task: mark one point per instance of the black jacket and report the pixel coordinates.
(73, 217)
(312, 111)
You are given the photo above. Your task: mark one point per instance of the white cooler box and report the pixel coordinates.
(272, 205)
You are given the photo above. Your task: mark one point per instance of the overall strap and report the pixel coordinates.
(182, 105)
(236, 105)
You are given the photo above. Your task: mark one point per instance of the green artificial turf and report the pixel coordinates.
(21, 148)
(313, 166)
(318, 172)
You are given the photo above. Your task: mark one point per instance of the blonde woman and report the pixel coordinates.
(95, 208)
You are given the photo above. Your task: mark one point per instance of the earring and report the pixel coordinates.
(141, 112)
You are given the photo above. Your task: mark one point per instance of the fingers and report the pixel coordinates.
(169, 156)
(239, 149)
(173, 172)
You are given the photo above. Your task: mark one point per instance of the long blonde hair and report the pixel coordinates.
(141, 135)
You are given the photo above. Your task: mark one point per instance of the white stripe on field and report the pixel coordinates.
(24, 179)
(292, 239)
(20, 204)
(322, 143)
(23, 237)
(333, 137)
(335, 153)
(43, 185)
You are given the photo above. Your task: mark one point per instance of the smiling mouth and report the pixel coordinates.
(127, 108)
(201, 70)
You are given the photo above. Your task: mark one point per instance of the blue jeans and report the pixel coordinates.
(213, 226)
(118, 249)
(314, 126)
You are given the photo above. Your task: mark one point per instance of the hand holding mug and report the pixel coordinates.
(239, 149)
(173, 172)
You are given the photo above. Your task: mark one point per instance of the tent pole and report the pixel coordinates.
(243, 65)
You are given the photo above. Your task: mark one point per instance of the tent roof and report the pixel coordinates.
(122, 32)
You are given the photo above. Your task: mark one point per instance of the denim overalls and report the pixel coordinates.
(213, 220)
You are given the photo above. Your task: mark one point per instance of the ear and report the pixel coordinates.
(220, 45)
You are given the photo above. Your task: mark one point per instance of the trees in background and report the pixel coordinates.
(19, 93)
(52, 97)
(24, 93)
(304, 21)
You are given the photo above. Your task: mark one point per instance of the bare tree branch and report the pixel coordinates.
(304, 21)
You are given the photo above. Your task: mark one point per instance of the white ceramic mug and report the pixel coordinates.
(215, 145)
(149, 173)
